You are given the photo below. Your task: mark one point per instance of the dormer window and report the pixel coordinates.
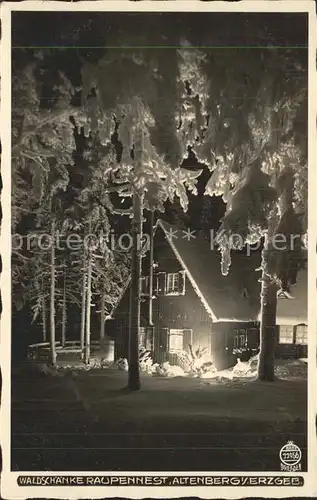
(175, 283)
(172, 284)
(245, 293)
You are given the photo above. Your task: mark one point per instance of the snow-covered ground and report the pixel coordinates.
(227, 392)
(284, 369)
(88, 421)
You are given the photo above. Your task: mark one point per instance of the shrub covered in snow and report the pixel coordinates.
(146, 361)
(290, 369)
(242, 369)
(95, 363)
(253, 362)
(284, 369)
(121, 364)
(197, 362)
(167, 370)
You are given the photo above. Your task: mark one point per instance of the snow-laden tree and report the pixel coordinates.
(94, 260)
(83, 221)
(76, 245)
(42, 149)
(42, 139)
(110, 266)
(38, 289)
(137, 94)
(43, 162)
(49, 257)
(246, 130)
(110, 275)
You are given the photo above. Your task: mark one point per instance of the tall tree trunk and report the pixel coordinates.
(151, 269)
(83, 311)
(88, 311)
(102, 317)
(268, 309)
(267, 329)
(64, 312)
(52, 299)
(134, 383)
(44, 320)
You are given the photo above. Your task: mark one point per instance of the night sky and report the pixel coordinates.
(74, 28)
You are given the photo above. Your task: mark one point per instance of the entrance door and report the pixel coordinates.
(161, 345)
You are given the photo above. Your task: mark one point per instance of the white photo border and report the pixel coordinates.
(9, 486)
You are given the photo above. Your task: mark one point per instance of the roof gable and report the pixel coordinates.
(235, 297)
(224, 297)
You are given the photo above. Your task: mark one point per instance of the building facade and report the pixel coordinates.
(192, 303)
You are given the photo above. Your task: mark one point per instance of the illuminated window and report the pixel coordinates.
(176, 340)
(172, 285)
(301, 334)
(286, 334)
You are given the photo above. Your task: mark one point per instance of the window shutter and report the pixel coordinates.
(182, 283)
(188, 339)
(161, 283)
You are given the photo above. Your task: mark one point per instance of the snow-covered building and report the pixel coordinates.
(193, 303)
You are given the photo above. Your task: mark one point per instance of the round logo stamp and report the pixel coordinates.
(290, 454)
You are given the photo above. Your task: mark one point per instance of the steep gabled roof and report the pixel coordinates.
(234, 297)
